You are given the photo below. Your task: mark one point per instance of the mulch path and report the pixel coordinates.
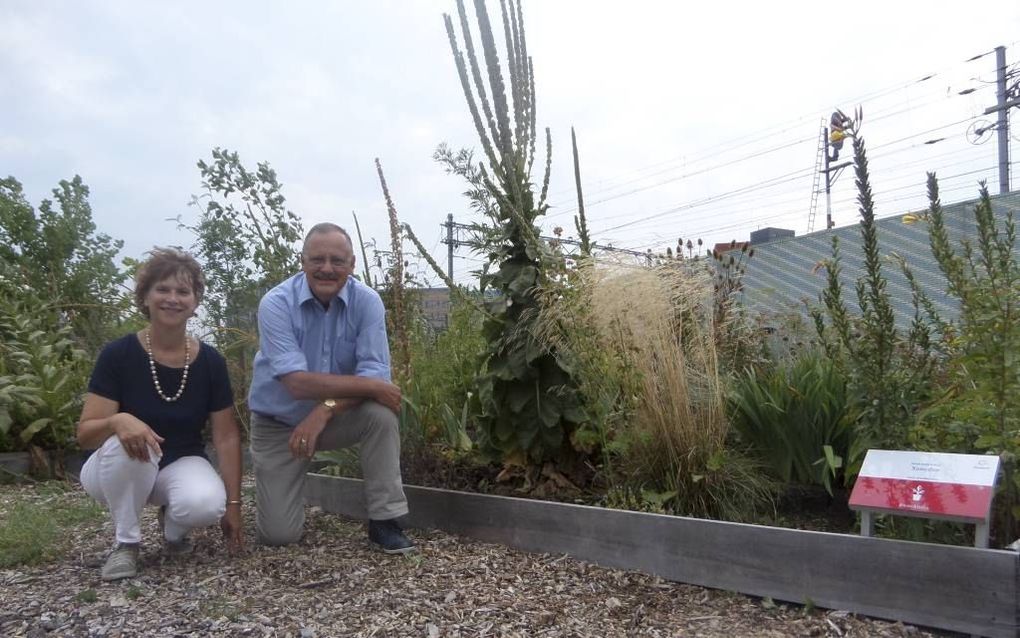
(333, 584)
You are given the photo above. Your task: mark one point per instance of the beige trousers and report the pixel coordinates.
(280, 478)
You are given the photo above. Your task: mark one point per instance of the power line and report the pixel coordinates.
(877, 116)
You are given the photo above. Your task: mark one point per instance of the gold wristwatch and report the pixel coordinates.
(330, 404)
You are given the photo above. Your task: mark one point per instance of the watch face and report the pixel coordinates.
(329, 403)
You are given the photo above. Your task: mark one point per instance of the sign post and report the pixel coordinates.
(953, 487)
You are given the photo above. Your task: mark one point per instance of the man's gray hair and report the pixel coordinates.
(326, 227)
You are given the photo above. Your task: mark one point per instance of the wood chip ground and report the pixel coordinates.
(334, 584)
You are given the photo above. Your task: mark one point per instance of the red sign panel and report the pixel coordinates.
(923, 497)
(927, 484)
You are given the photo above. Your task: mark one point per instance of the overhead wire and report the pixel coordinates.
(876, 116)
(762, 184)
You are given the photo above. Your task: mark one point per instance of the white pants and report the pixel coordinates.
(190, 488)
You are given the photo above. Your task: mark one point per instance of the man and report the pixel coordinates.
(322, 382)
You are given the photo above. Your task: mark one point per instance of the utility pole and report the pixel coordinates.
(1005, 99)
(831, 173)
(1003, 127)
(449, 243)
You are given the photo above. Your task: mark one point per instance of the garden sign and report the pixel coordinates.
(955, 487)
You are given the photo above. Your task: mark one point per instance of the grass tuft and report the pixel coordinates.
(34, 522)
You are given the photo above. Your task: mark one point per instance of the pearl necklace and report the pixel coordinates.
(152, 367)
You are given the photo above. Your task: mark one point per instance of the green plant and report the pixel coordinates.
(529, 403)
(55, 256)
(642, 345)
(443, 387)
(397, 314)
(887, 386)
(795, 418)
(245, 240)
(42, 378)
(980, 409)
(87, 596)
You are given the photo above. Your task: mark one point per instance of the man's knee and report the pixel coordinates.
(380, 417)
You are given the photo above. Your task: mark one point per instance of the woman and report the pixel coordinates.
(149, 398)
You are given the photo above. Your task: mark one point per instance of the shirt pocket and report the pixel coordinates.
(344, 352)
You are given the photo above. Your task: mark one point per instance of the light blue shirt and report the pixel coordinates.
(297, 334)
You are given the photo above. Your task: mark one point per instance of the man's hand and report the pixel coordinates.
(306, 434)
(388, 395)
(233, 528)
(135, 436)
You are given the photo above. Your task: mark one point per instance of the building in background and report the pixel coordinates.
(435, 305)
(786, 273)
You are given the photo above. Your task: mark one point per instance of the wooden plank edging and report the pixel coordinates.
(957, 588)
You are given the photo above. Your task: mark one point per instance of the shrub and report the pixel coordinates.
(42, 378)
(979, 411)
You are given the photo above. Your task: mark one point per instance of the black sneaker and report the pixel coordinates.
(389, 537)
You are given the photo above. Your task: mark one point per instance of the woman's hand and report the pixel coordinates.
(233, 528)
(135, 437)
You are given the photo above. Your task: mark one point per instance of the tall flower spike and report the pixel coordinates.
(458, 58)
(476, 72)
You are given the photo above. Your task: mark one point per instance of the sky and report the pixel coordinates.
(694, 120)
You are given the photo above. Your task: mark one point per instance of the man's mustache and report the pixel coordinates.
(325, 277)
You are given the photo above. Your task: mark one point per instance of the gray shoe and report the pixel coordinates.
(181, 547)
(121, 563)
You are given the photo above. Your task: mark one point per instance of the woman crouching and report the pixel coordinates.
(149, 398)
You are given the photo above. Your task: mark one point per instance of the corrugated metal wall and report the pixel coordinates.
(783, 274)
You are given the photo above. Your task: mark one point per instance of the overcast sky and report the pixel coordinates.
(693, 119)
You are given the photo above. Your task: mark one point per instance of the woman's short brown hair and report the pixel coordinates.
(163, 263)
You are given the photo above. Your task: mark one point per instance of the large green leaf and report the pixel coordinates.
(34, 428)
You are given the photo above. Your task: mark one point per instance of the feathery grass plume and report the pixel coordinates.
(642, 346)
(402, 360)
(364, 255)
(663, 316)
(579, 219)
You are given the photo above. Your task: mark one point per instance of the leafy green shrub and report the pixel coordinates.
(795, 418)
(979, 411)
(442, 387)
(42, 378)
(246, 242)
(54, 254)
